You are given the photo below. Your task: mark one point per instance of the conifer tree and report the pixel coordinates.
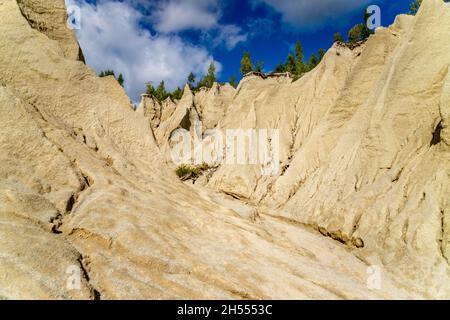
(232, 81)
(299, 51)
(191, 80)
(291, 64)
(120, 80)
(210, 77)
(312, 63)
(259, 66)
(246, 63)
(414, 7)
(160, 92)
(150, 89)
(321, 54)
(177, 94)
(280, 68)
(337, 37)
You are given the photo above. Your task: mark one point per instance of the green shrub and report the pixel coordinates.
(186, 172)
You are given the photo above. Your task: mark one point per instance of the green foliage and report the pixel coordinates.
(233, 81)
(414, 7)
(300, 68)
(188, 172)
(291, 64)
(366, 31)
(160, 92)
(108, 72)
(259, 66)
(177, 94)
(246, 63)
(280, 68)
(360, 31)
(150, 89)
(356, 33)
(299, 51)
(337, 37)
(295, 64)
(120, 80)
(209, 79)
(312, 62)
(321, 54)
(185, 172)
(191, 80)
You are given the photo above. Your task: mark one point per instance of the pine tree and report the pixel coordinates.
(150, 89)
(356, 33)
(321, 54)
(233, 82)
(290, 64)
(177, 94)
(299, 63)
(280, 68)
(120, 80)
(210, 77)
(246, 63)
(299, 52)
(191, 80)
(161, 93)
(414, 7)
(337, 37)
(366, 32)
(360, 31)
(259, 66)
(107, 73)
(312, 63)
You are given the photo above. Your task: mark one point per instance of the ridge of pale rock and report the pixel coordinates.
(84, 182)
(83, 186)
(363, 146)
(52, 21)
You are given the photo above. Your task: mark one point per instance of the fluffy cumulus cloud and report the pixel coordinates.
(260, 27)
(112, 37)
(178, 15)
(309, 15)
(174, 16)
(229, 36)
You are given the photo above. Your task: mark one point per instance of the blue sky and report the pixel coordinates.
(154, 40)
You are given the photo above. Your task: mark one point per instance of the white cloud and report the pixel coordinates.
(173, 16)
(229, 35)
(177, 15)
(112, 38)
(261, 27)
(310, 15)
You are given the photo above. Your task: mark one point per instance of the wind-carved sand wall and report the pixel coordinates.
(91, 208)
(363, 149)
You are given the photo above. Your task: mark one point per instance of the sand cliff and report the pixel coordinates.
(85, 180)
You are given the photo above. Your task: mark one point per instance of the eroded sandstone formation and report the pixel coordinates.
(85, 180)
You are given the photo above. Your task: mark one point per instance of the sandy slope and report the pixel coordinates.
(84, 180)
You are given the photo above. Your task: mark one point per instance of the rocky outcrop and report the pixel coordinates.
(213, 104)
(89, 209)
(51, 19)
(150, 108)
(363, 146)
